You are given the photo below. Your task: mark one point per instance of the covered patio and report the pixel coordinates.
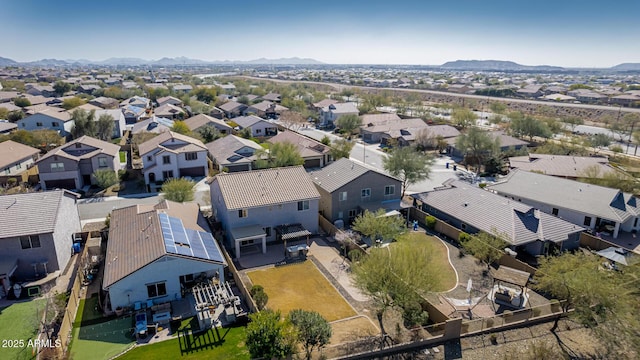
(246, 235)
(507, 296)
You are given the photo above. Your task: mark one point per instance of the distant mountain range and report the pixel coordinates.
(165, 61)
(497, 65)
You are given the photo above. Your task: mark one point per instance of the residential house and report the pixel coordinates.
(232, 153)
(258, 126)
(605, 210)
(38, 99)
(7, 96)
(155, 252)
(314, 153)
(229, 88)
(332, 112)
(587, 96)
(169, 100)
(137, 101)
(105, 102)
(171, 155)
(7, 127)
(72, 165)
(36, 236)
(180, 88)
(625, 100)
(40, 90)
(403, 130)
(233, 109)
(525, 228)
(153, 124)
(169, 111)
(323, 104)
(87, 88)
(372, 120)
(558, 97)
(265, 110)
(347, 189)
(51, 119)
(10, 106)
(201, 120)
(569, 167)
(253, 206)
(119, 121)
(273, 97)
(530, 91)
(506, 143)
(133, 114)
(15, 161)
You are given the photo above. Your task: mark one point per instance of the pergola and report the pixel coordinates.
(250, 232)
(512, 276)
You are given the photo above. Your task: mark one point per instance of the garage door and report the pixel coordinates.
(193, 172)
(61, 184)
(312, 163)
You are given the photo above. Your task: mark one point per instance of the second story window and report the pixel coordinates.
(166, 159)
(365, 193)
(303, 205)
(191, 156)
(30, 241)
(389, 190)
(102, 162)
(54, 124)
(342, 196)
(242, 213)
(57, 167)
(149, 158)
(38, 124)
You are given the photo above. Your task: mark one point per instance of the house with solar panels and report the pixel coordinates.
(157, 252)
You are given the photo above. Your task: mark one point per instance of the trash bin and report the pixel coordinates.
(446, 165)
(455, 167)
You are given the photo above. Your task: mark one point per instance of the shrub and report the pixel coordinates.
(494, 339)
(259, 296)
(489, 323)
(463, 237)
(430, 222)
(105, 178)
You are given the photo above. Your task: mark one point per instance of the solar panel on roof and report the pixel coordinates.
(171, 248)
(210, 245)
(196, 244)
(182, 250)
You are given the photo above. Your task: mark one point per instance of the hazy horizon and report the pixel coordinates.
(568, 34)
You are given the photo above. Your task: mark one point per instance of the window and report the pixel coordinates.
(24, 125)
(7, 170)
(166, 159)
(149, 158)
(18, 166)
(340, 214)
(102, 162)
(186, 279)
(342, 196)
(366, 192)
(303, 205)
(30, 241)
(635, 222)
(78, 145)
(54, 124)
(554, 212)
(389, 189)
(587, 221)
(38, 124)
(352, 213)
(463, 226)
(57, 167)
(167, 174)
(191, 156)
(258, 131)
(156, 290)
(242, 213)
(246, 242)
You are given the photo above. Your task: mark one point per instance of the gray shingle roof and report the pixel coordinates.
(491, 213)
(33, 213)
(338, 174)
(225, 150)
(595, 200)
(259, 188)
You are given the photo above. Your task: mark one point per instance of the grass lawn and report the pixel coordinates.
(123, 157)
(98, 338)
(441, 258)
(19, 321)
(226, 343)
(301, 286)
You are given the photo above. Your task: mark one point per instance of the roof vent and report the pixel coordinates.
(466, 204)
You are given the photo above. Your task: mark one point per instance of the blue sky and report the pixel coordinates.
(565, 33)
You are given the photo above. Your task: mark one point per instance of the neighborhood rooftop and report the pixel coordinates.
(338, 174)
(68, 150)
(192, 144)
(32, 213)
(11, 151)
(562, 165)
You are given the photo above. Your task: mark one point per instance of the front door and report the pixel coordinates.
(152, 178)
(86, 180)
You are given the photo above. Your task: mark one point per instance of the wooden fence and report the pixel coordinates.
(327, 226)
(66, 327)
(595, 243)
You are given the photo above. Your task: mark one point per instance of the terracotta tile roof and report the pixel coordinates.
(259, 188)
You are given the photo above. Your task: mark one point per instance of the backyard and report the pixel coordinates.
(19, 321)
(301, 286)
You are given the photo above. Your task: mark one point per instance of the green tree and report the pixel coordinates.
(84, 123)
(278, 155)
(325, 140)
(243, 100)
(408, 165)
(259, 296)
(378, 226)
(178, 190)
(209, 133)
(104, 127)
(140, 138)
(598, 141)
(348, 93)
(485, 247)
(269, 337)
(46, 139)
(573, 122)
(61, 87)
(530, 127)
(72, 103)
(180, 127)
(14, 116)
(4, 112)
(341, 148)
(476, 145)
(498, 107)
(348, 123)
(105, 178)
(463, 118)
(21, 102)
(313, 331)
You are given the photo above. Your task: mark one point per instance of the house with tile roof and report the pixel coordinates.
(314, 153)
(525, 228)
(137, 101)
(199, 121)
(347, 189)
(232, 153)
(15, 160)
(71, 166)
(259, 127)
(49, 119)
(154, 124)
(36, 235)
(331, 113)
(252, 206)
(168, 100)
(155, 252)
(169, 111)
(566, 166)
(404, 130)
(7, 127)
(602, 209)
(265, 109)
(233, 109)
(172, 155)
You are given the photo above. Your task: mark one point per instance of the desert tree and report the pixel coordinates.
(408, 165)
